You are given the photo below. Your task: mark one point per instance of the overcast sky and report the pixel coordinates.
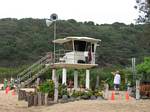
(99, 11)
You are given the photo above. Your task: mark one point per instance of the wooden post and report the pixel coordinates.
(137, 89)
(39, 99)
(106, 91)
(22, 95)
(56, 86)
(19, 95)
(35, 100)
(30, 100)
(43, 98)
(26, 96)
(46, 98)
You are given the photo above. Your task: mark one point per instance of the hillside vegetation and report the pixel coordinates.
(24, 41)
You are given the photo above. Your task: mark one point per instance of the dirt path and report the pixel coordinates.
(9, 103)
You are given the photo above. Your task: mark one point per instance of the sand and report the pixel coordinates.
(9, 103)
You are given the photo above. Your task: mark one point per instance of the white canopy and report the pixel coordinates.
(87, 39)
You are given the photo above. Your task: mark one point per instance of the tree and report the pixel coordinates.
(144, 69)
(144, 9)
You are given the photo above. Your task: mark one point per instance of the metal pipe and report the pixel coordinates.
(54, 38)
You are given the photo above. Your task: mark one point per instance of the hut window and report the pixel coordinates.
(68, 46)
(79, 45)
(92, 47)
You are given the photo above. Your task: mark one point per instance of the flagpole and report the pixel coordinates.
(53, 19)
(54, 38)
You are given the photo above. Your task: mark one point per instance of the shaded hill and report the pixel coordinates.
(26, 40)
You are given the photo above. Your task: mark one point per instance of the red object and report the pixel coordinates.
(13, 93)
(89, 55)
(127, 96)
(7, 89)
(112, 96)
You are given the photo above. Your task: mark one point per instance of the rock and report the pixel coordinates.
(93, 97)
(64, 97)
(85, 97)
(72, 99)
(99, 98)
(78, 98)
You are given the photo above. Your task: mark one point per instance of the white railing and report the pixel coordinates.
(73, 57)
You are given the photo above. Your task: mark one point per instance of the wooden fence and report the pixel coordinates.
(35, 99)
(145, 90)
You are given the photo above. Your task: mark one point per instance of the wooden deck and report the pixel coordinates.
(74, 66)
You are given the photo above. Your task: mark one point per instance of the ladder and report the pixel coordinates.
(34, 71)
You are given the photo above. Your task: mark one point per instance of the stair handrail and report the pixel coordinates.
(30, 72)
(36, 75)
(29, 69)
(27, 76)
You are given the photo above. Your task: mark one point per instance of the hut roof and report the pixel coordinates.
(67, 39)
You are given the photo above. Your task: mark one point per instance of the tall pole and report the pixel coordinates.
(133, 69)
(54, 38)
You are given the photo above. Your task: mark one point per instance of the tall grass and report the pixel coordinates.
(7, 72)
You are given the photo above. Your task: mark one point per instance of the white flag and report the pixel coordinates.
(48, 22)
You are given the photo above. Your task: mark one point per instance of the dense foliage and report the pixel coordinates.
(144, 69)
(26, 40)
(47, 87)
(144, 10)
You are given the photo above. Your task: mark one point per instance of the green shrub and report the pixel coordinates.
(77, 93)
(62, 90)
(47, 87)
(97, 93)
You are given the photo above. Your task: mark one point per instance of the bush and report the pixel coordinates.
(76, 94)
(98, 93)
(83, 94)
(47, 87)
(62, 90)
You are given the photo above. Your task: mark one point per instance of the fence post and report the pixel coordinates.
(137, 89)
(106, 92)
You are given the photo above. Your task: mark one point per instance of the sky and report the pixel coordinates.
(98, 11)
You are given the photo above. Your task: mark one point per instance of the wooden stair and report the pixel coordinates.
(34, 71)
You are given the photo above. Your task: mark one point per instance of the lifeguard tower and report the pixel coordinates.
(76, 53)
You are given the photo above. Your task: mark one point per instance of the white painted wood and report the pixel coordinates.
(75, 79)
(137, 89)
(53, 72)
(87, 79)
(73, 57)
(56, 86)
(64, 76)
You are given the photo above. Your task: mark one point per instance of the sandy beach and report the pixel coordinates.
(9, 103)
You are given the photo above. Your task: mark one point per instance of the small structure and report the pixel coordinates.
(76, 53)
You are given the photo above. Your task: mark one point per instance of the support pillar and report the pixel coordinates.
(87, 79)
(53, 72)
(75, 79)
(64, 76)
(55, 79)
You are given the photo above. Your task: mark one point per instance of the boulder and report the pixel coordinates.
(93, 97)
